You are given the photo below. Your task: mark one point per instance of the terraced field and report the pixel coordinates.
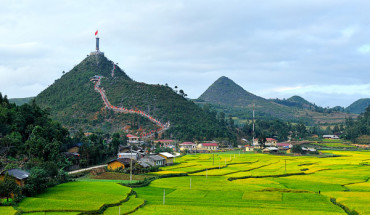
(76, 198)
(262, 184)
(224, 184)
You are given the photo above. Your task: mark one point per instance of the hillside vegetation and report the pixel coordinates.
(73, 101)
(21, 101)
(225, 93)
(228, 97)
(358, 106)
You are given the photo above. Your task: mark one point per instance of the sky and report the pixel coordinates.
(317, 49)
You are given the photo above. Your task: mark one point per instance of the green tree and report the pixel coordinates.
(262, 140)
(8, 187)
(37, 181)
(297, 149)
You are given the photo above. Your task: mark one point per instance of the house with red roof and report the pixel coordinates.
(132, 138)
(284, 145)
(270, 142)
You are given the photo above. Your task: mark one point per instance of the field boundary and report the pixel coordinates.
(266, 176)
(344, 208)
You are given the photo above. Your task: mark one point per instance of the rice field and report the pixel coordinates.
(76, 197)
(261, 184)
(7, 210)
(224, 184)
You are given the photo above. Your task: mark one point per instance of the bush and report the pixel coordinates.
(297, 149)
(37, 182)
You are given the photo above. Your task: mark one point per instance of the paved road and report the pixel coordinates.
(90, 168)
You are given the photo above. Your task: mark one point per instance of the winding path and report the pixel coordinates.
(163, 126)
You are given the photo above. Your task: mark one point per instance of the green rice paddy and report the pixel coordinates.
(224, 184)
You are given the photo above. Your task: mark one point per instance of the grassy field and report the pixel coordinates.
(261, 184)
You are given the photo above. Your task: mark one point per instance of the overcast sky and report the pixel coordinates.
(317, 49)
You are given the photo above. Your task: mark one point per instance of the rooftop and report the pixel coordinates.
(17, 173)
(166, 141)
(166, 154)
(187, 143)
(209, 144)
(131, 136)
(156, 157)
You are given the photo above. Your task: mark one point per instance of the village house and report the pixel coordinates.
(270, 149)
(249, 148)
(119, 163)
(123, 149)
(285, 146)
(129, 155)
(165, 143)
(74, 158)
(168, 156)
(19, 175)
(308, 150)
(75, 148)
(190, 146)
(207, 147)
(330, 136)
(270, 142)
(153, 160)
(132, 138)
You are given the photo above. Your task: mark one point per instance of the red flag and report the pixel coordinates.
(96, 33)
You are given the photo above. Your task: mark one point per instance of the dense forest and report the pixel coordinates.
(358, 130)
(32, 141)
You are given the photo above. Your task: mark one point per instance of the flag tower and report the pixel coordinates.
(97, 41)
(97, 51)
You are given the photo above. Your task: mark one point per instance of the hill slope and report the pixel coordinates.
(21, 101)
(73, 101)
(295, 101)
(225, 93)
(226, 96)
(358, 106)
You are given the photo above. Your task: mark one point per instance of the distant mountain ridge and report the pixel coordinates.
(358, 106)
(21, 101)
(225, 92)
(295, 101)
(227, 96)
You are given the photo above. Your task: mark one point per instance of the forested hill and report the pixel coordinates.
(358, 106)
(225, 94)
(295, 101)
(73, 101)
(228, 97)
(21, 101)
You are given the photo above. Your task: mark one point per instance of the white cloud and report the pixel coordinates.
(271, 47)
(364, 49)
(363, 89)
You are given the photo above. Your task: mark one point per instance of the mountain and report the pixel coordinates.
(225, 93)
(228, 97)
(295, 101)
(75, 101)
(358, 106)
(21, 101)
